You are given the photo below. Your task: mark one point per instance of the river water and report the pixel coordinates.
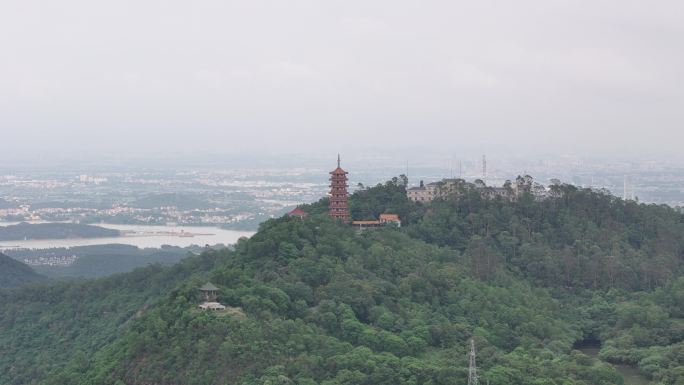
(140, 236)
(630, 373)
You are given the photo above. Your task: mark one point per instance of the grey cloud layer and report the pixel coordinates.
(587, 75)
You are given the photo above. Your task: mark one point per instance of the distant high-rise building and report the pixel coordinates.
(339, 197)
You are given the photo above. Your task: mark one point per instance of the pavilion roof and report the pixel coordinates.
(209, 287)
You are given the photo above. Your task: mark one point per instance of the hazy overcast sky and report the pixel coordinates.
(489, 76)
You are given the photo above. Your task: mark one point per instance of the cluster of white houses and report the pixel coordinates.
(510, 190)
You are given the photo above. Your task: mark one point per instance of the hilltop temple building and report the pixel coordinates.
(338, 208)
(339, 197)
(298, 213)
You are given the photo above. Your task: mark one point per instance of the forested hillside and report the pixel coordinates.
(43, 327)
(315, 302)
(53, 231)
(14, 273)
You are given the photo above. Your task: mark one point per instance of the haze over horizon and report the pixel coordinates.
(132, 79)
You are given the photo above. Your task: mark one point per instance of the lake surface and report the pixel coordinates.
(140, 236)
(630, 373)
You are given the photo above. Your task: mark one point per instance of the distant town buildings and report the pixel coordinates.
(91, 179)
(56, 260)
(246, 198)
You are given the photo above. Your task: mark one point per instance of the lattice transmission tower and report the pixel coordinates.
(484, 169)
(472, 368)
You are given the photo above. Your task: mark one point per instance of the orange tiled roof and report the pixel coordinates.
(297, 212)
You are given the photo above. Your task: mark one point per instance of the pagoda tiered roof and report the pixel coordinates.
(338, 206)
(338, 171)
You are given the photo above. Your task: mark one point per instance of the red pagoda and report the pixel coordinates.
(339, 198)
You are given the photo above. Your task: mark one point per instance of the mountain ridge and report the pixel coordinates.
(14, 273)
(325, 304)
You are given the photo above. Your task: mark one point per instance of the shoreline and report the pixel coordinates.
(141, 236)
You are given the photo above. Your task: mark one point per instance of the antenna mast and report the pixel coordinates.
(472, 369)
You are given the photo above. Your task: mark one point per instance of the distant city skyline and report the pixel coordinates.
(651, 180)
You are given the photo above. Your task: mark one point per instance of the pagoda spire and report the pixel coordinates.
(338, 206)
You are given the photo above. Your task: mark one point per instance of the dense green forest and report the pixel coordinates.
(315, 302)
(14, 273)
(53, 231)
(42, 327)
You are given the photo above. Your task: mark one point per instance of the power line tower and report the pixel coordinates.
(484, 169)
(472, 368)
(628, 188)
